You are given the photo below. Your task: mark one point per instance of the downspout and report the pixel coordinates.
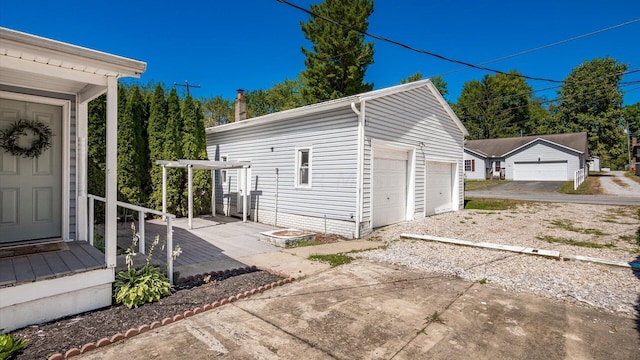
(359, 171)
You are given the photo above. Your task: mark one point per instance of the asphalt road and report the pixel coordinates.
(546, 191)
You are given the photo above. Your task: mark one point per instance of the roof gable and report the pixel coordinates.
(501, 147)
(339, 103)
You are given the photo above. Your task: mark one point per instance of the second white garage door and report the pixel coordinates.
(389, 187)
(540, 171)
(439, 188)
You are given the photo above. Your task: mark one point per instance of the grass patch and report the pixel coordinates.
(303, 243)
(491, 204)
(333, 259)
(632, 176)
(470, 185)
(566, 225)
(383, 247)
(565, 241)
(435, 318)
(590, 186)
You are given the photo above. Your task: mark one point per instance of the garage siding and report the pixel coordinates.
(544, 152)
(417, 120)
(332, 138)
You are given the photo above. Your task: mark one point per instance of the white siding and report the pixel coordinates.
(480, 171)
(413, 118)
(332, 136)
(544, 152)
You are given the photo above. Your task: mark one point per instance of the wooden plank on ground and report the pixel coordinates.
(56, 264)
(40, 267)
(23, 270)
(7, 275)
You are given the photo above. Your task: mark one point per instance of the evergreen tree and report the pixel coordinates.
(130, 149)
(176, 177)
(591, 101)
(337, 61)
(194, 148)
(96, 145)
(156, 132)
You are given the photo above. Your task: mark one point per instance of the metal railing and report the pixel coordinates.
(141, 230)
(578, 178)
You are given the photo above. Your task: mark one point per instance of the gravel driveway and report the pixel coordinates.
(530, 225)
(616, 183)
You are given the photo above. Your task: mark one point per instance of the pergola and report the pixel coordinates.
(190, 165)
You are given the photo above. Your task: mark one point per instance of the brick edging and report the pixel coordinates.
(186, 314)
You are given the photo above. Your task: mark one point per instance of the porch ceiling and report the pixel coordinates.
(33, 62)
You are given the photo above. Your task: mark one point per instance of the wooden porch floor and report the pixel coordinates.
(212, 245)
(80, 257)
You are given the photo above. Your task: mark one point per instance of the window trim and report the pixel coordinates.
(224, 179)
(471, 165)
(297, 168)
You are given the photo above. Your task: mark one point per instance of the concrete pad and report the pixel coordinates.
(365, 310)
(288, 264)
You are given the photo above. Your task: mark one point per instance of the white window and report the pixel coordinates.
(470, 165)
(303, 167)
(224, 178)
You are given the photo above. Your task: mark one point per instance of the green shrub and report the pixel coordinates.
(136, 287)
(10, 346)
(638, 236)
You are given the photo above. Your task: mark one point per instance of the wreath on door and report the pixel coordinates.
(10, 138)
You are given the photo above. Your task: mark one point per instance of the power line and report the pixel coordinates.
(547, 46)
(411, 48)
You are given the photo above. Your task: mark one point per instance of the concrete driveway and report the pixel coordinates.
(366, 310)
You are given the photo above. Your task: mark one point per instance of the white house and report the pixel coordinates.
(346, 166)
(534, 158)
(48, 84)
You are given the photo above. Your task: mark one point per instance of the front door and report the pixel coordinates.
(31, 188)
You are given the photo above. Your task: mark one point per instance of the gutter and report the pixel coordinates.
(360, 170)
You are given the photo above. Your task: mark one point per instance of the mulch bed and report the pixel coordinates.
(75, 331)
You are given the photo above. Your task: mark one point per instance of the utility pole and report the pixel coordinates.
(187, 85)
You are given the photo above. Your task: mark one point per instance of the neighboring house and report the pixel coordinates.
(535, 158)
(44, 198)
(345, 166)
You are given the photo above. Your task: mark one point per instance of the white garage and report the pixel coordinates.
(540, 171)
(390, 169)
(439, 187)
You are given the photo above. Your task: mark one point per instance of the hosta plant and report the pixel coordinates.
(136, 287)
(10, 346)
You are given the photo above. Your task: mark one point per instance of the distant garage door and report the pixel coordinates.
(389, 186)
(439, 187)
(540, 171)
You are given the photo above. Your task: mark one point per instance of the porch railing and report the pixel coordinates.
(578, 178)
(141, 230)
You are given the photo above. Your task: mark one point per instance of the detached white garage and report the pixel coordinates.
(540, 171)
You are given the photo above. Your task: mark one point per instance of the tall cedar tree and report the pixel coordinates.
(156, 132)
(337, 61)
(495, 107)
(591, 101)
(176, 177)
(96, 145)
(194, 148)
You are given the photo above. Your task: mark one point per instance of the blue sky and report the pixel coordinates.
(253, 44)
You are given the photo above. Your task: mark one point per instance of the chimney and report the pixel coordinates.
(241, 106)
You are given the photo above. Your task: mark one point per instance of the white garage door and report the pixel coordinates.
(438, 187)
(540, 171)
(389, 187)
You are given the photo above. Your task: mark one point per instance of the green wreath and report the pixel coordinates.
(10, 138)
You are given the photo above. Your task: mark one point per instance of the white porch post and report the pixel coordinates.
(111, 180)
(81, 171)
(244, 193)
(213, 193)
(164, 191)
(190, 181)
